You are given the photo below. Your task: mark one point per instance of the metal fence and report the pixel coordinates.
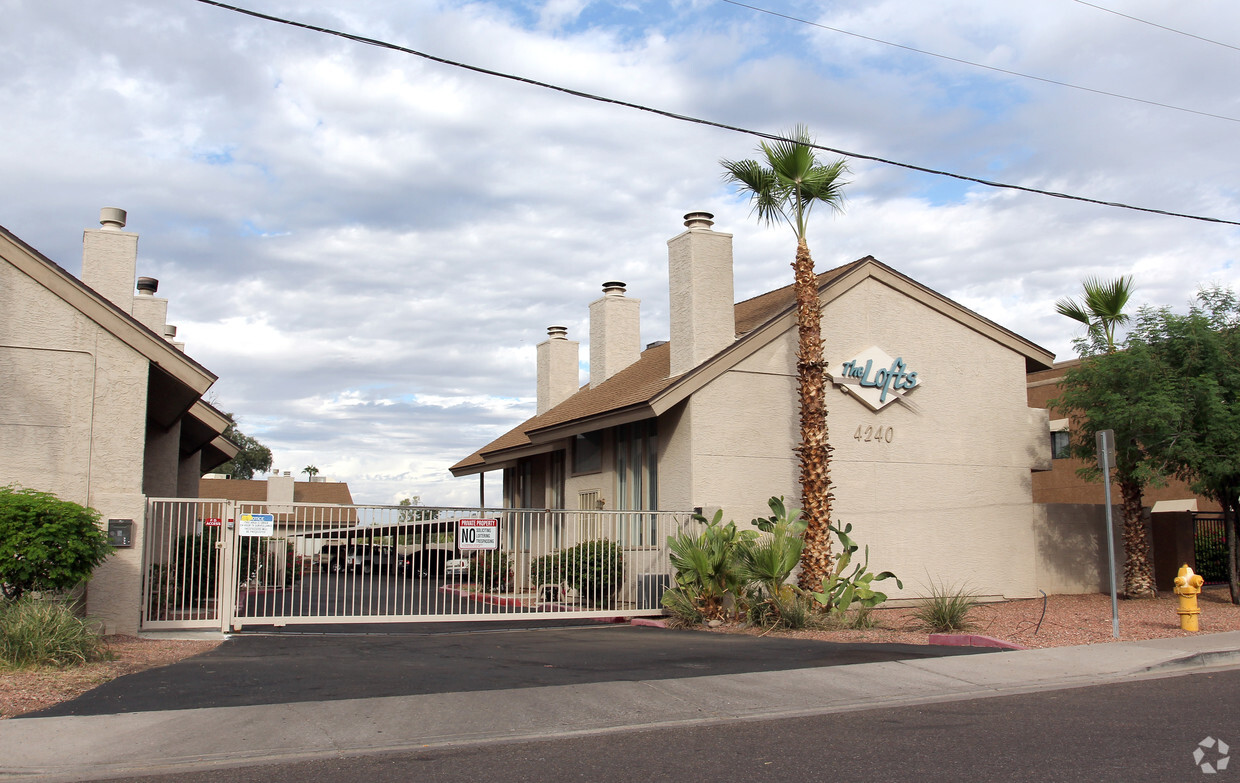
(223, 564)
(1210, 547)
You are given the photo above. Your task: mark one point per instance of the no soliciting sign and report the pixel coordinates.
(477, 534)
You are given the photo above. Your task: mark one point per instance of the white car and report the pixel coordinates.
(457, 567)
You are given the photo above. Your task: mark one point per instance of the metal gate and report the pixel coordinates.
(1210, 547)
(225, 564)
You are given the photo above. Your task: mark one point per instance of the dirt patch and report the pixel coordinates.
(1069, 620)
(28, 690)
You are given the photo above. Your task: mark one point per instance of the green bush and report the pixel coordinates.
(1210, 550)
(46, 543)
(946, 609)
(547, 570)
(707, 585)
(594, 569)
(46, 631)
(491, 570)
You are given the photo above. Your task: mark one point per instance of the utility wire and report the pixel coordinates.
(949, 58)
(1159, 26)
(696, 120)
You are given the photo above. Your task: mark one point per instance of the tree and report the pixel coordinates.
(311, 471)
(785, 188)
(1131, 392)
(1101, 310)
(1200, 352)
(46, 543)
(252, 457)
(1117, 391)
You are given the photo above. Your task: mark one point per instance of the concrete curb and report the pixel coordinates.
(973, 640)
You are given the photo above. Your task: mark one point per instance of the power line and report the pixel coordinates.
(970, 63)
(696, 120)
(1159, 26)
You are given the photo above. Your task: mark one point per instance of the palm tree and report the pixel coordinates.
(1102, 308)
(784, 188)
(310, 471)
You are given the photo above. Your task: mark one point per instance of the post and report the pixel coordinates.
(1106, 448)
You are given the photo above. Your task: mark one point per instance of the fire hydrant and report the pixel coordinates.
(1187, 586)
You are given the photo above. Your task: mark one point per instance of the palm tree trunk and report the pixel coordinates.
(814, 451)
(1138, 570)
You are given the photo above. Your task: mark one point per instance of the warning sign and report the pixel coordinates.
(475, 534)
(256, 525)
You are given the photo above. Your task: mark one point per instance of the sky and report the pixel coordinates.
(366, 246)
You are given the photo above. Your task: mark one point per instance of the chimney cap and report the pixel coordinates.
(147, 286)
(557, 332)
(699, 219)
(613, 288)
(112, 218)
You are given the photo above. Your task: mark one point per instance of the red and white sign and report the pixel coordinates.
(477, 534)
(212, 522)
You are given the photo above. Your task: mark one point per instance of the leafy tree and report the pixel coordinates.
(253, 456)
(1101, 309)
(46, 543)
(1131, 392)
(1200, 352)
(784, 188)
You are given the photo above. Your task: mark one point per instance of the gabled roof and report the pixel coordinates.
(325, 495)
(166, 360)
(644, 390)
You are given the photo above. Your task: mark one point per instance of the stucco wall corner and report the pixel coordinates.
(1040, 437)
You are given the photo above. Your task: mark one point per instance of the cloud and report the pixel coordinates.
(365, 246)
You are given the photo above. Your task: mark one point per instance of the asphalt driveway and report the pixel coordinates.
(253, 669)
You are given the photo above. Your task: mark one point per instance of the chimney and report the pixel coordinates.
(150, 310)
(558, 375)
(110, 258)
(615, 334)
(702, 312)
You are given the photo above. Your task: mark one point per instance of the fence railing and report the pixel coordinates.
(227, 564)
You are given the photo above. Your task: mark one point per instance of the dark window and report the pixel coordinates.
(1061, 445)
(588, 452)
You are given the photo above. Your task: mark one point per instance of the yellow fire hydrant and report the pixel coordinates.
(1187, 586)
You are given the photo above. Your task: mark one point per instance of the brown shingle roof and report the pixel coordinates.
(327, 493)
(640, 382)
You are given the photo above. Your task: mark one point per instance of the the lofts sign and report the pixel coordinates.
(876, 379)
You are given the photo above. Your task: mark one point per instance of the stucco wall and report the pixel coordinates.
(73, 422)
(947, 498)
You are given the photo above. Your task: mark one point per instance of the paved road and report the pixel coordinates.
(1132, 732)
(290, 667)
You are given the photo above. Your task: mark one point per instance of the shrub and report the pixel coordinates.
(707, 585)
(840, 590)
(46, 631)
(491, 570)
(46, 543)
(546, 570)
(946, 609)
(593, 568)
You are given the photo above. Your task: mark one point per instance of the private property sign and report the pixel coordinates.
(474, 534)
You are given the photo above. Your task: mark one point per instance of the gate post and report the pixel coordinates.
(226, 588)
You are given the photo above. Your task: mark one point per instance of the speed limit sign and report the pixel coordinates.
(477, 534)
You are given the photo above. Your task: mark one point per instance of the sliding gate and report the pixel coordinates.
(226, 565)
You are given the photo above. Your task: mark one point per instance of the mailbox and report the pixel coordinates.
(120, 532)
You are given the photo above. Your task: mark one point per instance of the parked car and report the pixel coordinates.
(456, 568)
(424, 563)
(365, 558)
(329, 556)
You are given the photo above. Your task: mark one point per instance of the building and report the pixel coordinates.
(934, 439)
(1061, 484)
(98, 403)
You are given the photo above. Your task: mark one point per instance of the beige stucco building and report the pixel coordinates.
(934, 439)
(98, 404)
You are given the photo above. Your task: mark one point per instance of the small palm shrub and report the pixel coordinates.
(45, 631)
(946, 609)
(706, 583)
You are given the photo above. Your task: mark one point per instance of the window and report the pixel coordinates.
(1061, 444)
(588, 452)
(637, 484)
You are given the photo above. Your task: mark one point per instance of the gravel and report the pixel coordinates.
(1068, 620)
